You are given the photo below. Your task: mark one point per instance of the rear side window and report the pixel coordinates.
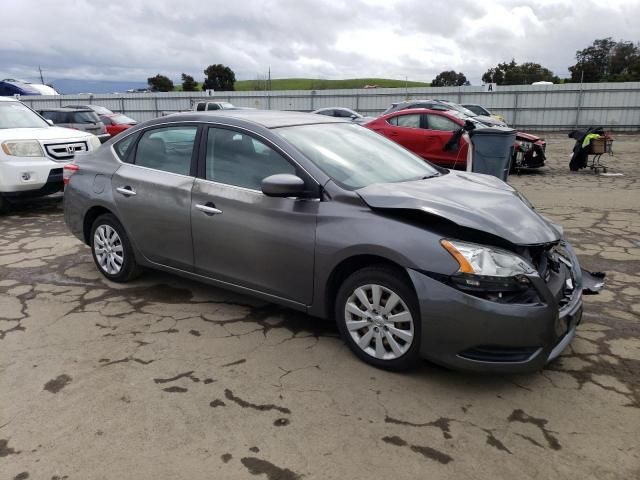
(200, 107)
(438, 122)
(123, 146)
(168, 149)
(240, 160)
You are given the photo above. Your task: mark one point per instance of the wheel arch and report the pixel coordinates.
(350, 265)
(90, 217)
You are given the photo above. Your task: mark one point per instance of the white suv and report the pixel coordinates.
(33, 152)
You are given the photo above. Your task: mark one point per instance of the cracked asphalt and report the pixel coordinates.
(166, 378)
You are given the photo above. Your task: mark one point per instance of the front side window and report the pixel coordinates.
(438, 122)
(168, 149)
(213, 106)
(238, 159)
(408, 121)
(355, 157)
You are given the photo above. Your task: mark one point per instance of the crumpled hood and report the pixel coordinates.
(527, 136)
(471, 200)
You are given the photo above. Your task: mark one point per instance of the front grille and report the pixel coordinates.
(494, 354)
(61, 152)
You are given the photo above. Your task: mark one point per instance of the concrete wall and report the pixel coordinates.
(615, 106)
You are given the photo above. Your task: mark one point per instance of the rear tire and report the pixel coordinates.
(378, 317)
(111, 250)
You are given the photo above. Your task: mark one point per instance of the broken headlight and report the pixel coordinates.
(491, 273)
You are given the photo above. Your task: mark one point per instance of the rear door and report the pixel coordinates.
(438, 131)
(152, 192)
(242, 236)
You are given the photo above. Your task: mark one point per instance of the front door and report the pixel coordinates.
(438, 131)
(153, 194)
(240, 235)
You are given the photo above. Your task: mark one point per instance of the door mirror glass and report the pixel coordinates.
(283, 185)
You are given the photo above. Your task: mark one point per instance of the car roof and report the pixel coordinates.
(407, 111)
(65, 109)
(265, 118)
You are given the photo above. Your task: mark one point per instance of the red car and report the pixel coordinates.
(426, 132)
(116, 123)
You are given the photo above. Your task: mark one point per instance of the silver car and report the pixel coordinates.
(329, 218)
(84, 119)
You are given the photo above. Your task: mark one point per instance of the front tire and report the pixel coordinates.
(112, 251)
(378, 317)
(4, 205)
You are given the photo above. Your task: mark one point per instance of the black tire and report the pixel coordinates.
(4, 205)
(129, 268)
(393, 280)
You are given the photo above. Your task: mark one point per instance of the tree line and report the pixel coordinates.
(606, 60)
(218, 77)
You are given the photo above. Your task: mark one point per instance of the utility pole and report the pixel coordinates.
(41, 77)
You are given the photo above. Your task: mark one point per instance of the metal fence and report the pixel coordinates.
(615, 106)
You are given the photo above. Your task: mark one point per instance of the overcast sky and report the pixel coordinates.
(135, 39)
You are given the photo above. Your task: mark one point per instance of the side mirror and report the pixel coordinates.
(50, 122)
(283, 185)
(353, 117)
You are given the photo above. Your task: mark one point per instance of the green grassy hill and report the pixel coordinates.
(319, 84)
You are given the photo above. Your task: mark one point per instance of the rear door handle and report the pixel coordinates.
(209, 209)
(126, 191)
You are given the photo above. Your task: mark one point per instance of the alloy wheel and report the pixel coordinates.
(108, 249)
(379, 322)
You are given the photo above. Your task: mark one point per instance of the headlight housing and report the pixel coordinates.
(491, 273)
(486, 261)
(22, 148)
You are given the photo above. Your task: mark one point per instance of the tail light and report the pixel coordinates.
(67, 171)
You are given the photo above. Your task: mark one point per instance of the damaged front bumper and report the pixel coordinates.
(464, 331)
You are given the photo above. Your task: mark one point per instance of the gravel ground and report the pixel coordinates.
(166, 378)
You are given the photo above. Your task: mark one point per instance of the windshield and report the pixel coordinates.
(354, 156)
(83, 117)
(16, 115)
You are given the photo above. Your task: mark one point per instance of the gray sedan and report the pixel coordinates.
(327, 217)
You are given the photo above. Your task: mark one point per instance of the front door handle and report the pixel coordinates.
(126, 191)
(209, 209)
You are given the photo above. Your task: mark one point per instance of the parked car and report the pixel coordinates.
(332, 219)
(44, 89)
(426, 132)
(207, 105)
(100, 110)
(480, 110)
(10, 87)
(32, 152)
(444, 105)
(342, 112)
(78, 119)
(116, 123)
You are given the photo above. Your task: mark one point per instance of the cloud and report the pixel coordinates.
(304, 38)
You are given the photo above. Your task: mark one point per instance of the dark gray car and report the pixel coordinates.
(83, 119)
(330, 218)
